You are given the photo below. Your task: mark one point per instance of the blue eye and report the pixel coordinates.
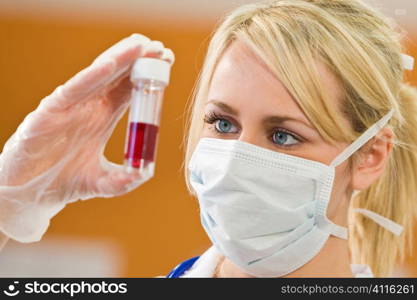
(283, 138)
(224, 126)
(280, 137)
(221, 124)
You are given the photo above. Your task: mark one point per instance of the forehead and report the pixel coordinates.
(240, 63)
(241, 77)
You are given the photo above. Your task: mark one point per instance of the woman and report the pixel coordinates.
(301, 126)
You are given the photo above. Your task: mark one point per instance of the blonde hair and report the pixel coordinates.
(362, 48)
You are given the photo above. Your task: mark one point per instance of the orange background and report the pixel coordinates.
(156, 225)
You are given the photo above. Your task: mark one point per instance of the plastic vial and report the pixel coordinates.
(149, 76)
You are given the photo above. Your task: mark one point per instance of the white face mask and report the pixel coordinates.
(265, 210)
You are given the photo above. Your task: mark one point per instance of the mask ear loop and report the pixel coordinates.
(359, 142)
(395, 228)
(365, 137)
(337, 230)
(408, 64)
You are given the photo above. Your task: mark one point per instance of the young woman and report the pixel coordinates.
(301, 147)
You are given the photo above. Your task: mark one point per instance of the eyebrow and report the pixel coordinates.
(267, 121)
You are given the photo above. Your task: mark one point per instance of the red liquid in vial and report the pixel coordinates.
(141, 143)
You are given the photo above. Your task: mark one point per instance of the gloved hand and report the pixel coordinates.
(56, 155)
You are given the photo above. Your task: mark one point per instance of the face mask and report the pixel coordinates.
(265, 210)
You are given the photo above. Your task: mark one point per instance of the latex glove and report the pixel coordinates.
(56, 155)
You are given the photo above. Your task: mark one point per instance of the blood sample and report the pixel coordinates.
(149, 76)
(141, 143)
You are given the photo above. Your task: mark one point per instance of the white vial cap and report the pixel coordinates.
(150, 68)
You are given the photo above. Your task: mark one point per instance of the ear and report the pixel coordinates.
(372, 159)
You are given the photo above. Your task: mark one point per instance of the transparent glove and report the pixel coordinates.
(56, 155)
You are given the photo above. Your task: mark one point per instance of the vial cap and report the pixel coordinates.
(150, 68)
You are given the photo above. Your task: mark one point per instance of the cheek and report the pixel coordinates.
(341, 188)
(318, 151)
(207, 131)
(343, 178)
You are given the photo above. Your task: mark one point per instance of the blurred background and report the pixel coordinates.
(149, 231)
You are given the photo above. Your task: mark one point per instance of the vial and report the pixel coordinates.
(149, 77)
